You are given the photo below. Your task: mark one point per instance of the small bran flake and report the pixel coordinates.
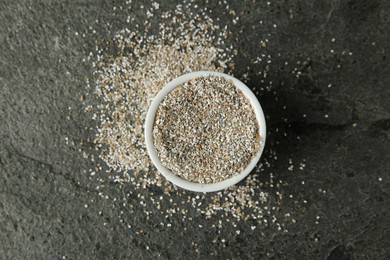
(206, 130)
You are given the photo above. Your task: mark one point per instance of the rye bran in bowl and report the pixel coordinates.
(205, 131)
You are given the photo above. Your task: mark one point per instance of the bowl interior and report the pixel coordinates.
(183, 183)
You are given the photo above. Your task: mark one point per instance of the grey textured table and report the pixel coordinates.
(344, 132)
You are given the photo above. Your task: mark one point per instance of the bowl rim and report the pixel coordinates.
(181, 182)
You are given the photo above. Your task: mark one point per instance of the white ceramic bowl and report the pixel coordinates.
(194, 186)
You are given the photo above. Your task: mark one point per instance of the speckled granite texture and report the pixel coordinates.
(343, 130)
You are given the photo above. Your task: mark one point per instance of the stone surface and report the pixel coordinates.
(49, 208)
